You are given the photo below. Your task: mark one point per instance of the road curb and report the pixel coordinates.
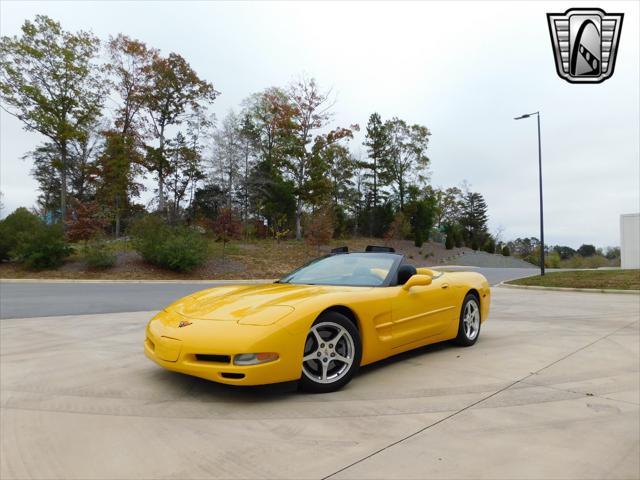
(97, 280)
(569, 289)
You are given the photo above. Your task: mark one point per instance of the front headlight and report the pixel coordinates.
(255, 358)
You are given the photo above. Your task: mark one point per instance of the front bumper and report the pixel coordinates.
(206, 349)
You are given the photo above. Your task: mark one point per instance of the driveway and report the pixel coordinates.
(551, 390)
(23, 300)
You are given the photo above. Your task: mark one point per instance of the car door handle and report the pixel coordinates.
(444, 285)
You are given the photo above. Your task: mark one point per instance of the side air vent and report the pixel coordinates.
(213, 358)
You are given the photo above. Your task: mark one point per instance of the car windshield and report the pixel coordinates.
(354, 269)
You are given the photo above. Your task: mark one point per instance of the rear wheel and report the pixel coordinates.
(469, 327)
(332, 353)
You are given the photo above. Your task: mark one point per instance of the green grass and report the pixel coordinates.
(597, 279)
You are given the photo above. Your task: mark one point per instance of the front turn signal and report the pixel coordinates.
(255, 358)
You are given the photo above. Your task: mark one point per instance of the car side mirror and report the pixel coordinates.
(417, 280)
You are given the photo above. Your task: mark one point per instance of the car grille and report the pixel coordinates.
(213, 358)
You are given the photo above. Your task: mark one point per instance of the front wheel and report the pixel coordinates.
(332, 353)
(469, 327)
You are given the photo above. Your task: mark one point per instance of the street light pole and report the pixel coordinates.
(527, 115)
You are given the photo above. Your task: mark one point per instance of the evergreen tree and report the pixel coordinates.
(474, 218)
(378, 143)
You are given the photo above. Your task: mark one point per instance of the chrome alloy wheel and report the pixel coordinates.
(328, 353)
(471, 319)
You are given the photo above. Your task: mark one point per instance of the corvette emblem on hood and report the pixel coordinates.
(184, 324)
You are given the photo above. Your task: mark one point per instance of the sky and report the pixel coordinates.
(463, 69)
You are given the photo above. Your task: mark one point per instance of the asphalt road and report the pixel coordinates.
(44, 299)
(550, 390)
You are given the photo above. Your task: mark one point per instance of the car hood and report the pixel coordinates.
(251, 304)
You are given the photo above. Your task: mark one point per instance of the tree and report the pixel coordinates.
(378, 143)
(454, 234)
(320, 228)
(612, 253)
(207, 201)
(228, 154)
(184, 170)
(448, 243)
(407, 160)
(270, 115)
(311, 112)
(14, 228)
(248, 144)
(474, 218)
(489, 244)
(226, 226)
(449, 206)
(174, 93)
(47, 166)
(422, 214)
(564, 252)
(269, 120)
(85, 222)
(49, 81)
(115, 175)
(586, 250)
(399, 228)
(523, 247)
(130, 65)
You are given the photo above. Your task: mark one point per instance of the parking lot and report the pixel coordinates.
(551, 390)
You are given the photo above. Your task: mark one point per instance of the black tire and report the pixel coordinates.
(468, 334)
(314, 378)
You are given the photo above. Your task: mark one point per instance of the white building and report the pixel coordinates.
(630, 240)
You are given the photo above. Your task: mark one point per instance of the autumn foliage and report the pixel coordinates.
(320, 227)
(227, 226)
(84, 222)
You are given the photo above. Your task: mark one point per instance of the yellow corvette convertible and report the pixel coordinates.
(318, 324)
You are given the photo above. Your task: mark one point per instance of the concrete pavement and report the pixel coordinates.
(40, 299)
(551, 390)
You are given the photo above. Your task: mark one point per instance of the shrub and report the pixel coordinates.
(176, 248)
(552, 260)
(578, 261)
(489, 245)
(612, 253)
(399, 228)
(98, 255)
(474, 244)
(44, 247)
(181, 250)
(505, 251)
(19, 224)
(564, 251)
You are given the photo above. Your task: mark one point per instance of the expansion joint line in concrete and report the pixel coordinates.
(471, 405)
